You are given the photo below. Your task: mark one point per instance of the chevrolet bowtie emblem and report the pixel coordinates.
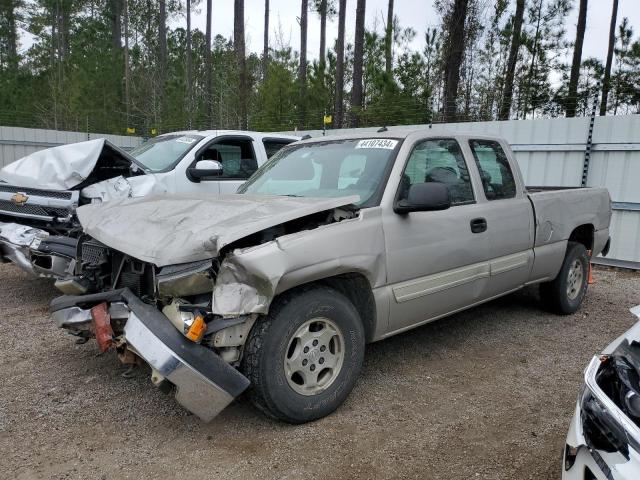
(19, 199)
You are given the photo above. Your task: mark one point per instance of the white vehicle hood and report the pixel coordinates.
(57, 168)
(166, 230)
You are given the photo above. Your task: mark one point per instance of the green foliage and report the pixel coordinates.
(73, 75)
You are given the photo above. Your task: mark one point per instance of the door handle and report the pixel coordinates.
(478, 225)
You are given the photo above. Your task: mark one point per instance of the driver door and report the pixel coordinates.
(437, 261)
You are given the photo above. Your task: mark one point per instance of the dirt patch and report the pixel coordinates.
(487, 393)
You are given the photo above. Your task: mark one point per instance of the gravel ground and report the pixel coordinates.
(487, 393)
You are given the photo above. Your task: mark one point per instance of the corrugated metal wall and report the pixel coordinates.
(550, 152)
(17, 142)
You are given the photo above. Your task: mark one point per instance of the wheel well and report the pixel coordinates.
(357, 289)
(583, 234)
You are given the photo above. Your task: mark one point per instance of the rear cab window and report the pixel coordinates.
(273, 145)
(497, 178)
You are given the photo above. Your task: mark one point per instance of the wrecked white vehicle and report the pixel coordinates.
(333, 243)
(39, 193)
(603, 442)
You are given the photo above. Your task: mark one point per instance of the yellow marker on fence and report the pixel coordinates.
(131, 130)
(327, 119)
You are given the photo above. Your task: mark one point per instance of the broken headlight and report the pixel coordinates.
(185, 279)
(188, 320)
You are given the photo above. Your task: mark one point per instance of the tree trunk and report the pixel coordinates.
(338, 110)
(189, 69)
(209, 67)
(127, 102)
(453, 58)
(265, 47)
(162, 36)
(302, 68)
(388, 39)
(534, 52)
(607, 69)
(238, 45)
(507, 92)
(358, 55)
(572, 99)
(115, 15)
(323, 33)
(12, 36)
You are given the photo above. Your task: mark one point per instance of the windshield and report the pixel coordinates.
(164, 153)
(335, 168)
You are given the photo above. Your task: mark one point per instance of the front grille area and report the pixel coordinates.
(25, 209)
(35, 191)
(94, 253)
(30, 209)
(131, 280)
(57, 211)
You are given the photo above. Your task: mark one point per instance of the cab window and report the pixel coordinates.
(493, 165)
(273, 145)
(438, 160)
(236, 156)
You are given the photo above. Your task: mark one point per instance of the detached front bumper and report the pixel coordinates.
(15, 241)
(204, 383)
(37, 252)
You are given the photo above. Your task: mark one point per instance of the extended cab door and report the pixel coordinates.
(509, 216)
(437, 261)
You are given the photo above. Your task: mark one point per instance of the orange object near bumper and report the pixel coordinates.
(197, 329)
(102, 325)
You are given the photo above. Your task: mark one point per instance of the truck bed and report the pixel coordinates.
(559, 210)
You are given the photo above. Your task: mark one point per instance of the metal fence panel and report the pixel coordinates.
(18, 142)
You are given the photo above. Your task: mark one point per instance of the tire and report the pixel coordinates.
(565, 293)
(274, 354)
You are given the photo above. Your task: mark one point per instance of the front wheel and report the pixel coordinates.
(304, 357)
(565, 293)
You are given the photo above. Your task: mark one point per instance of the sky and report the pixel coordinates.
(419, 15)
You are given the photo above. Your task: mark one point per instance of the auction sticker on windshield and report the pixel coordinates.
(187, 140)
(385, 143)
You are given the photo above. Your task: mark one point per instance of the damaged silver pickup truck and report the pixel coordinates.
(333, 243)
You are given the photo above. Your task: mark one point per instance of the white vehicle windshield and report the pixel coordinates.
(334, 168)
(163, 153)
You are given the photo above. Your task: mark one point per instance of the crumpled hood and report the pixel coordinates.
(58, 168)
(120, 187)
(166, 230)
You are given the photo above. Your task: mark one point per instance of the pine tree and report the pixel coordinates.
(357, 97)
(339, 83)
(577, 60)
(607, 69)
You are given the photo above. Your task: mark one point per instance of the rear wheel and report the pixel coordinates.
(304, 357)
(565, 293)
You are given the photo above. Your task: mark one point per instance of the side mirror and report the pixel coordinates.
(425, 197)
(205, 170)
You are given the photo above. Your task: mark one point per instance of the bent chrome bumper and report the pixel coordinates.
(19, 245)
(15, 241)
(205, 384)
